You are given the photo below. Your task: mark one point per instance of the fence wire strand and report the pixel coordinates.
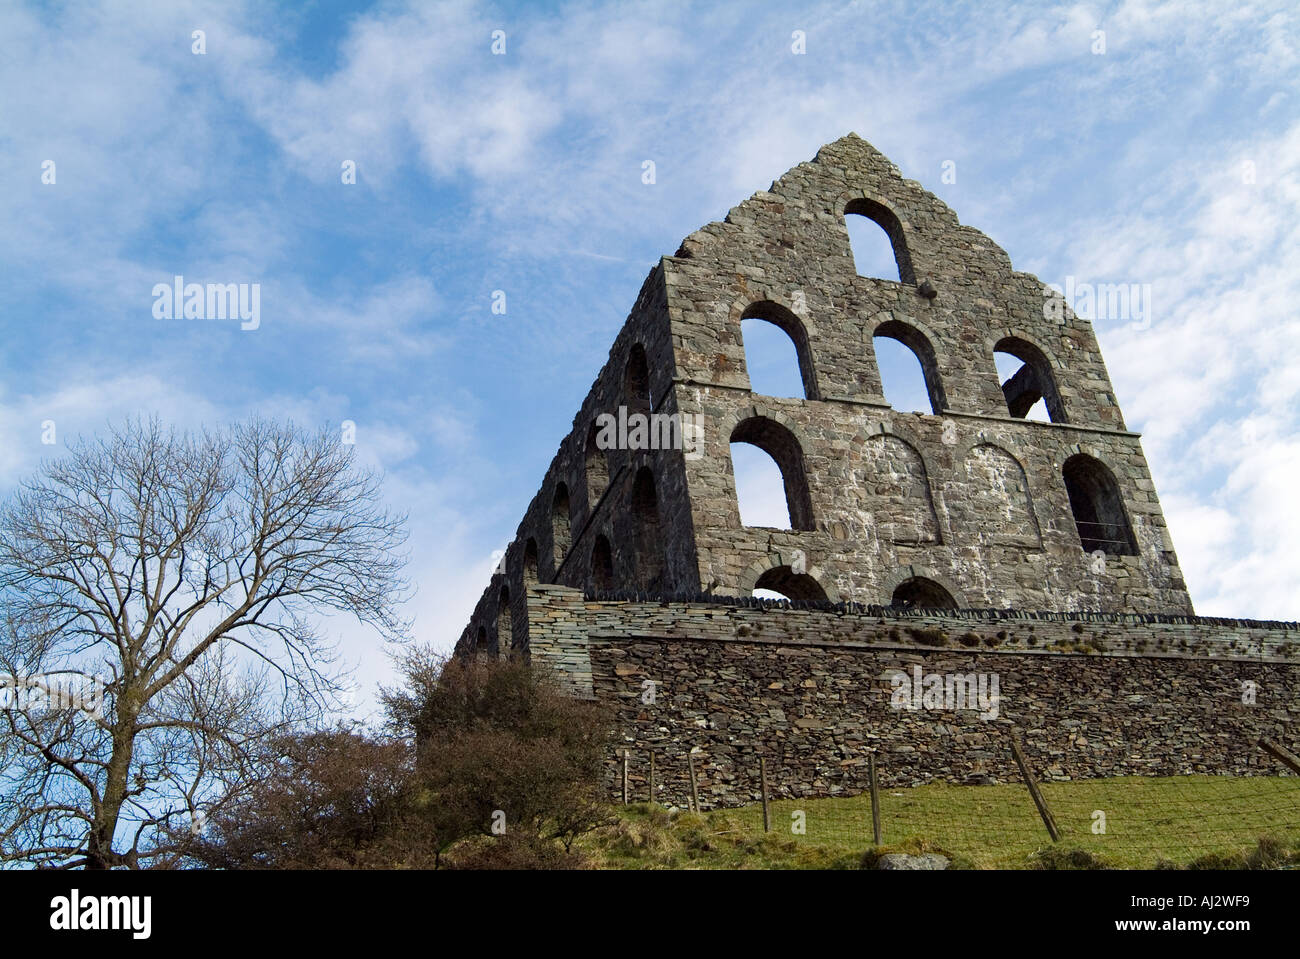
(1191, 819)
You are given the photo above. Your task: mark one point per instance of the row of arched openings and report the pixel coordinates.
(904, 356)
(636, 396)
(647, 558)
(778, 357)
(772, 490)
(782, 582)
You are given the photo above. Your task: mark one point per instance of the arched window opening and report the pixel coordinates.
(921, 592)
(481, 642)
(782, 582)
(760, 489)
(602, 565)
(597, 466)
(560, 535)
(767, 352)
(1098, 507)
(636, 382)
(530, 561)
(784, 450)
(649, 547)
(1027, 381)
(909, 370)
(879, 249)
(505, 634)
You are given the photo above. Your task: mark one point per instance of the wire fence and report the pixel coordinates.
(1106, 537)
(1011, 820)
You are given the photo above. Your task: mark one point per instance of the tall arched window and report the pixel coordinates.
(636, 382)
(760, 488)
(481, 642)
(602, 565)
(649, 542)
(879, 249)
(597, 467)
(904, 389)
(1098, 507)
(505, 634)
(782, 446)
(560, 536)
(768, 355)
(1027, 381)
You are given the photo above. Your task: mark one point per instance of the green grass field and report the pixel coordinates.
(1196, 821)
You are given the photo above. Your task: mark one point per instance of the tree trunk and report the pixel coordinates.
(100, 853)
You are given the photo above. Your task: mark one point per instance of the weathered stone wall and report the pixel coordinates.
(1009, 545)
(599, 494)
(810, 689)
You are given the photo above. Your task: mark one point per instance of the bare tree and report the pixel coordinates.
(188, 571)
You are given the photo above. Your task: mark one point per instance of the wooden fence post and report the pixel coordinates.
(875, 797)
(1281, 754)
(762, 774)
(1048, 820)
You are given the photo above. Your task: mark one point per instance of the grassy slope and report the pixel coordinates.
(1148, 820)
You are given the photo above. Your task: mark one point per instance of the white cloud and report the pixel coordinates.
(1218, 408)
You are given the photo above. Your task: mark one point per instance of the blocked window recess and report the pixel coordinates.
(596, 462)
(649, 558)
(560, 531)
(602, 565)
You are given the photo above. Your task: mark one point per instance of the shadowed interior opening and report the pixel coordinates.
(919, 591)
(787, 584)
(1098, 507)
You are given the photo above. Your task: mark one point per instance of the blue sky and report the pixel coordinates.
(1170, 159)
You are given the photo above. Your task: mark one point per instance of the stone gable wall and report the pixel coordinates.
(1006, 539)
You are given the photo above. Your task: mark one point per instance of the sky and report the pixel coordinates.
(1137, 142)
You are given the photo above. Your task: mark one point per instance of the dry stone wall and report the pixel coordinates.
(812, 690)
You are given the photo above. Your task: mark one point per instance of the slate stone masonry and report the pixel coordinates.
(1043, 542)
(1090, 694)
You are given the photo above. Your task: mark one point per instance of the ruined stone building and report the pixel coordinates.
(967, 537)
